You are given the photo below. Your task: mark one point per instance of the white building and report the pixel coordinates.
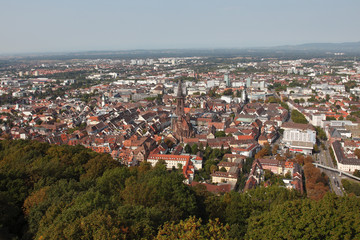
(299, 137)
(317, 119)
(343, 163)
(176, 160)
(224, 177)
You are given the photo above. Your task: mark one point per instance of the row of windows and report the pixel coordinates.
(170, 158)
(296, 136)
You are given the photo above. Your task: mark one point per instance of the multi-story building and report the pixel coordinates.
(344, 163)
(299, 137)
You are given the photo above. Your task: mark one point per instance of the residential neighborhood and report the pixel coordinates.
(209, 123)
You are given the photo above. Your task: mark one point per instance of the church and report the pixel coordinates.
(181, 126)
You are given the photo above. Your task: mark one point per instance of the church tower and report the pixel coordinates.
(179, 101)
(182, 128)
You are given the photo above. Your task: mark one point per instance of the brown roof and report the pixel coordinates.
(214, 188)
(223, 174)
(268, 162)
(228, 164)
(297, 126)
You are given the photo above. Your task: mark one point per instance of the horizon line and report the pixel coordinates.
(68, 52)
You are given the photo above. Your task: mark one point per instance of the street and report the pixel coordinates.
(324, 158)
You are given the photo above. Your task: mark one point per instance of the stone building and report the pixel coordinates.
(181, 126)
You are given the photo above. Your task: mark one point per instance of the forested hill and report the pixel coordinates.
(65, 192)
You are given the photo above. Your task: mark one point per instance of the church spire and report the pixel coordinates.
(179, 91)
(179, 101)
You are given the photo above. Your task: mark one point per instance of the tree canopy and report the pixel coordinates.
(298, 117)
(66, 192)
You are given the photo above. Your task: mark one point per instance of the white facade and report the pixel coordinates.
(300, 135)
(224, 177)
(227, 99)
(343, 163)
(169, 163)
(213, 83)
(348, 167)
(318, 119)
(197, 164)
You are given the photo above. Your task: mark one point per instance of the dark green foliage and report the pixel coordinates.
(274, 179)
(284, 105)
(332, 156)
(201, 147)
(28, 166)
(351, 186)
(64, 192)
(194, 148)
(194, 229)
(298, 117)
(278, 87)
(272, 99)
(321, 133)
(312, 99)
(349, 85)
(228, 92)
(330, 218)
(329, 118)
(220, 134)
(187, 148)
(316, 148)
(73, 193)
(295, 83)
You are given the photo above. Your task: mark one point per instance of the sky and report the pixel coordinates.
(31, 26)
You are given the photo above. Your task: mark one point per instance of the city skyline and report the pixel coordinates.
(41, 26)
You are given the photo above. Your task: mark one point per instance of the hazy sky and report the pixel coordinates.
(78, 25)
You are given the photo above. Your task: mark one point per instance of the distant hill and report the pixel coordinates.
(345, 47)
(307, 50)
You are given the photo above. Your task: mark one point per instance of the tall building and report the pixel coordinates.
(299, 137)
(248, 82)
(244, 95)
(179, 111)
(181, 126)
(227, 80)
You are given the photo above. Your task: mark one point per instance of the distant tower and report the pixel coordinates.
(244, 95)
(248, 82)
(262, 85)
(227, 80)
(182, 127)
(179, 101)
(203, 104)
(103, 101)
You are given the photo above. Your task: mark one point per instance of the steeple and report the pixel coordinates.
(179, 101)
(181, 127)
(179, 91)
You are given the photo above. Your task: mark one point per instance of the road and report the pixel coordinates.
(324, 158)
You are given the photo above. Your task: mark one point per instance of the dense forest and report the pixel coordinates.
(66, 192)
